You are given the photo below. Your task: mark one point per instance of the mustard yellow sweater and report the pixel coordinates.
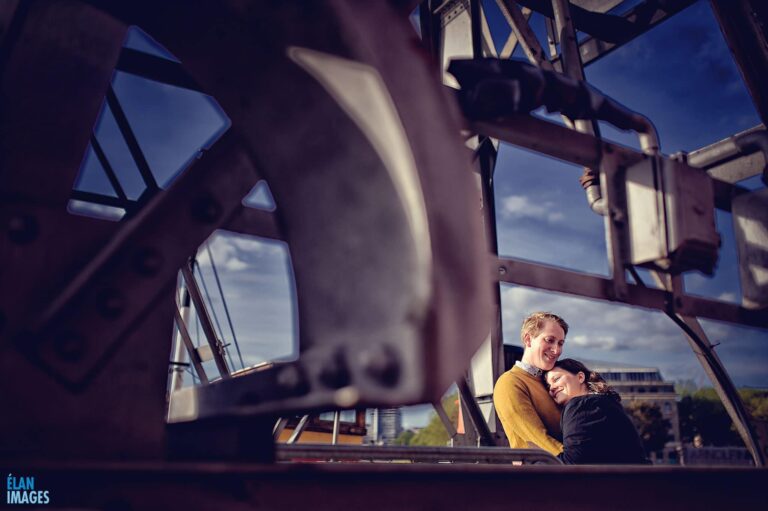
(527, 412)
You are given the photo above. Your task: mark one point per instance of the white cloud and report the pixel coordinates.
(237, 253)
(596, 325)
(520, 206)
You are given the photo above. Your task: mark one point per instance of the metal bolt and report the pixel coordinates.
(148, 261)
(292, 380)
(205, 209)
(69, 346)
(110, 303)
(23, 229)
(334, 373)
(502, 270)
(380, 362)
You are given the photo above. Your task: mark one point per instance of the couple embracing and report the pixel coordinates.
(560, 405)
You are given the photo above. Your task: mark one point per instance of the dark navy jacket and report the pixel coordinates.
(597, 430)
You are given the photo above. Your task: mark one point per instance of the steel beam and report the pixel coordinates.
(744, 24)
(155, 68)
(642, 18)
(138, 262)
(194, 355)
(524, 34)
(49, 105)
(549, 278)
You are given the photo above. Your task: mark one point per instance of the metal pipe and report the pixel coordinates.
(571, 66)
(205, 321)
(741, 144)
(178, 352)
(299, 430)
(279, 426)
(336, 425)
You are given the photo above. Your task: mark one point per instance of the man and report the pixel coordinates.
(529, 415)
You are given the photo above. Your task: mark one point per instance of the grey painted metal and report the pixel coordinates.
(512, 40)
(474, 455)
(279, 427)
(468, 401)
(336, 423)
(550, 278)
(572, 67)
(178, 360)
(224, 304)
(447, 424)
(525, 35)
(486, 159)
(194, 356)
(300, 427)
(734, 158)
(211, 310)
(643, 17)
(217, 347)
(552, 40)
(554, 140)
(750, 211)
(614, 205)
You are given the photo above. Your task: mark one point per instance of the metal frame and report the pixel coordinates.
(390, 453)
(117, 278)
(611, 160)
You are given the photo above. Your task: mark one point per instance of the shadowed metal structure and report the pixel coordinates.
(388, 231)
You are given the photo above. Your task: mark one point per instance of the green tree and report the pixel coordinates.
(702, 413)
(434, 432)
(651, 425)
(405, 438)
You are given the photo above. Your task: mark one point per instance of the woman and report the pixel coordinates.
(595, 427)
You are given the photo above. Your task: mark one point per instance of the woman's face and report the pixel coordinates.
(564, 385)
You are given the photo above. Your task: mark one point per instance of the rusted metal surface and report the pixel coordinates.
(383, 487)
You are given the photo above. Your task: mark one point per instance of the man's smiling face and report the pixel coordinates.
(543, 349)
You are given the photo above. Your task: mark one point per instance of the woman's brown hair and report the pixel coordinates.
(595, 383)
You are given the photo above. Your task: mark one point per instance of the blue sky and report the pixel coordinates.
(680, 75)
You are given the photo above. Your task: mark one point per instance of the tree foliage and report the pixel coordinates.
(702, 413)
(651, 425)
(434, 432)
(405, 438)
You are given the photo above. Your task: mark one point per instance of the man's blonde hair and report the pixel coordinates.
(534, 323)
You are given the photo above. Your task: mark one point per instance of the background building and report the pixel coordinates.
(386, 425)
